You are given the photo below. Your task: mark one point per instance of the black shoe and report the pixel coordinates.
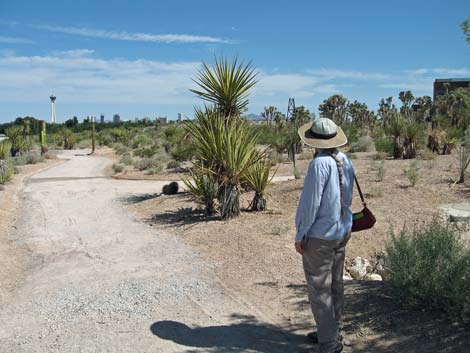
(313, 337)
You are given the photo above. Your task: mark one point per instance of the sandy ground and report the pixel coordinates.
(97, 280)
(254, 253)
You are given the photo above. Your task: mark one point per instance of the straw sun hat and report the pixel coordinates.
(322, 133)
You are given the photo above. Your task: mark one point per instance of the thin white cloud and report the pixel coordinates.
(441, 71)
(135, 36)
(330, 74)
(91, 80)
(15, 40)
(74, 53)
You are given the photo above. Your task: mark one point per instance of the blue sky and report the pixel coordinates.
(136, 58)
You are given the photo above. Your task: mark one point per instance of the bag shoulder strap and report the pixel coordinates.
(359, 190)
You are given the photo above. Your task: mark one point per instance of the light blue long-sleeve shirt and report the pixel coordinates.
(319, 211)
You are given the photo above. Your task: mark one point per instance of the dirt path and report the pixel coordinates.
(98, 280)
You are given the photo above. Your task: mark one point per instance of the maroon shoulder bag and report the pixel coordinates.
(365, 219)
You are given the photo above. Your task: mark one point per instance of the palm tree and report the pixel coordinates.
(225, 149)
(226, 84)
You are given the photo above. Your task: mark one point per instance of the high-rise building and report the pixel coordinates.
(179, 117)
(116, 118)
(102, 118)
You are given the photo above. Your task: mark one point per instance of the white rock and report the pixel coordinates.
(359, 268)
(347, 276)
(372, 277)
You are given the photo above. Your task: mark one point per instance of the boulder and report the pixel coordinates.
(347, 276)
(372, 277)
(359, 268)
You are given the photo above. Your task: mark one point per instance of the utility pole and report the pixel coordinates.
(42, 136)
(93, 134)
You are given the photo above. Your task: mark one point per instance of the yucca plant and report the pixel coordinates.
(395, 129)
(15, 136)
(5, 148)
(258, 178)
(411, 132)
(204, 189)
(464, 157)
(224, 148)
(226, 85)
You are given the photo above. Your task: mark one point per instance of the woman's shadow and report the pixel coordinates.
(238, 337)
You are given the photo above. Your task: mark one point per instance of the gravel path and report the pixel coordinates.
(99, 281)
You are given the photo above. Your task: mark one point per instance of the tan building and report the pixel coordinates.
(442, 85)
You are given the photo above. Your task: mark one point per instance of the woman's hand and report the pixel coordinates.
(299, 247)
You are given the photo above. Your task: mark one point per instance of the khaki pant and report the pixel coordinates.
(323, 262)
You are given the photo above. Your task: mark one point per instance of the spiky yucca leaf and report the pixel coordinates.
(257, 178)
(5, 148)
(227, 148)
(204, 189)
(226, 84)
(15, 136)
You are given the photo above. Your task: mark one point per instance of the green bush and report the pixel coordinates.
(31, 158)
(430, 266)
(378, 166)
(276, 158)
(385, 145)
(118, 168)
(154, 170)
(126, 159)
(173, 164)
(6, 172)
(363, 144)
(412, 173)
(147, 163)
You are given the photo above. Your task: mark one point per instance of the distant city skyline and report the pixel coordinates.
(140, 59)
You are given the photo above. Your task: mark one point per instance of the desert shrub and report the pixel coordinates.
(378, 166)
(412, 173)
(117, 168)
(49, 155)
(276, 158)
(84, 144)
(6, 172)
(182, 152)
(203, 188)
(464, 157)
(379, 156)
(146, 163)
(375, 191)
(305, 155)
(32, 158)
(155, 169)
(297, 174)
(120, 148)
(384, 145)
(430, 266)
(126, 159)
(173, 164)
(363, 144)
(352, 131)
(428, 155)
(146, 151)
(5, 148)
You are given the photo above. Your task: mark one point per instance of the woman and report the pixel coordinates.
(323, 224)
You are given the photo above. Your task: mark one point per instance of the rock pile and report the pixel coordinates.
(362, 269)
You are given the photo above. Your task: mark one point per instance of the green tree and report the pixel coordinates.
(361, 115)
(465, 26)
(226, 84)
(387, 111)
(271, 114)
(407, 100)
(335, 108)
